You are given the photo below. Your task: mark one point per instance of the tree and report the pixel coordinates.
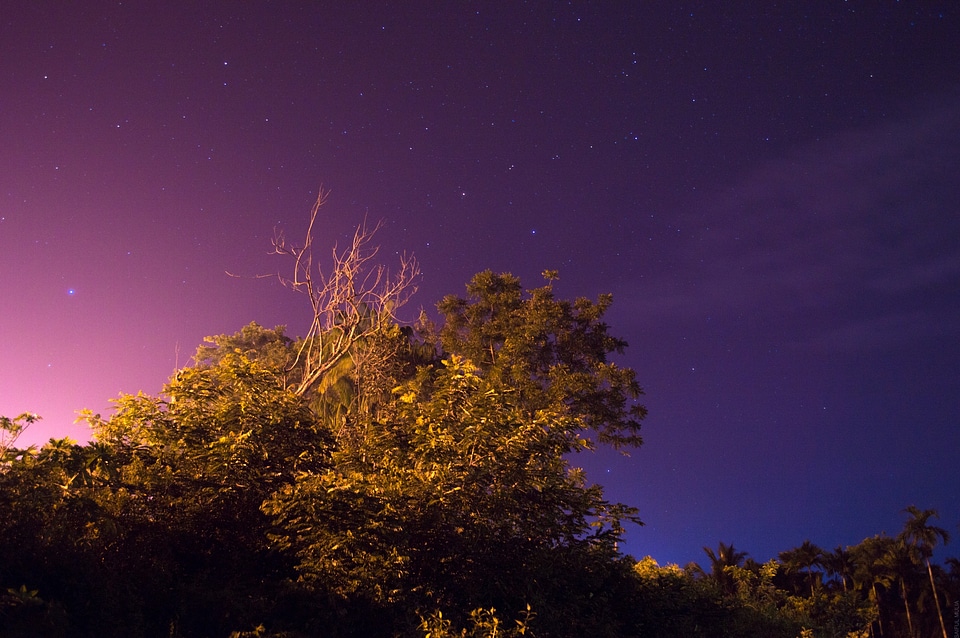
(804, 557)
(673, 602)
(10, 431)
(349, 301)
(225, 425)
(721, 563)
(552, 352)
(923, 537)
(899, 560)
(63, 523)
(840, 563)
(457, 491)
(873, 571)
(416, 483)
(192, 468)
(389, 471)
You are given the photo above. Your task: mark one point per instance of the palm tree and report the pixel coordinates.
(803, 557)
(871, 570)
(922, 537)
(839, 562)
(725, 557)
(900, 560)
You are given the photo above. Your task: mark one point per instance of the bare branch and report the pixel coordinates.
(350, 301)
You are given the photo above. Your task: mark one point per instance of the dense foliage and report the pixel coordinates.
(423, 484)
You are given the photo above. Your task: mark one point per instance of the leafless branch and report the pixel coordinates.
(349, 301)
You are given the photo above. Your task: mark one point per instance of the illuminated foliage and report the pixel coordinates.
(551, 351)
(456, 492)
(424, 484)
(10, 431)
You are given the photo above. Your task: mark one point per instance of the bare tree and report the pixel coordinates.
(351, 299)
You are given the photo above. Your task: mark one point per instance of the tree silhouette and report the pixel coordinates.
(871, 570)
(721, 561)
(923, 537)
(840, 563)
(804, 557)
(900, 560)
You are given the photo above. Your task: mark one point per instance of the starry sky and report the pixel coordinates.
(770, 191)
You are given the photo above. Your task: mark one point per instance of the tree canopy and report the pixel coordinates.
(424, 468)
(372, 478)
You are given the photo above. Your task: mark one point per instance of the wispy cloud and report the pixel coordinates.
(859, 234)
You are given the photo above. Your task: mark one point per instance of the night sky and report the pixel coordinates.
(770, 191)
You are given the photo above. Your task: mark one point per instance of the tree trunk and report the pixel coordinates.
(936, 599)
(876, 601)
(906, 606)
